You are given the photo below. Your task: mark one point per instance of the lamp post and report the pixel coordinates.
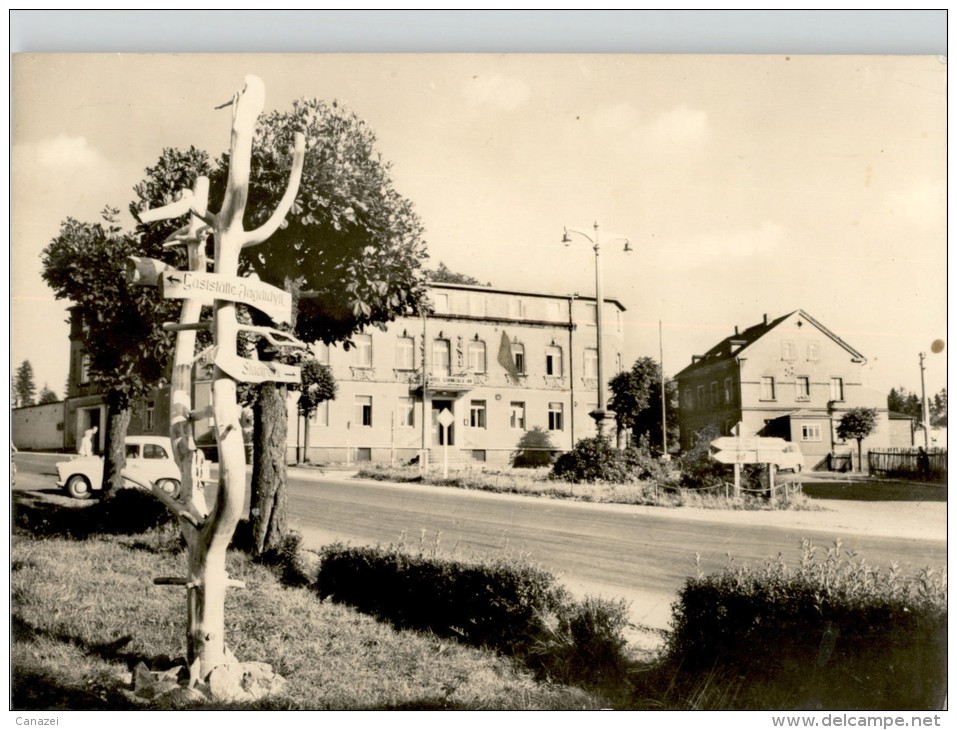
(599, 414)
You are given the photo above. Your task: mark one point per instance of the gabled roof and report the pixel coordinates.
(733, 345)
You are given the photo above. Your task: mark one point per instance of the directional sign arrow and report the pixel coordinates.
(256, 371)
(736, 457)
(209, 286)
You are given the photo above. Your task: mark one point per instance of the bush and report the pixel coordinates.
(535, 449)
(834, 632)
(592, 460)
(508, 605)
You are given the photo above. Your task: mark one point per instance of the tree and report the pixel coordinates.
(23, 385)
(123, 336)
(535, 448)
(445, 275)
(858, 424)
(636, 402)
(938, 409)
(47, 396)
(900, 400)
(317, 386)
(350, 253)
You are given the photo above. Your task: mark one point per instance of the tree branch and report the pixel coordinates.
(254, 238)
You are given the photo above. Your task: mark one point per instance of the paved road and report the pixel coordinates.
(642, 554)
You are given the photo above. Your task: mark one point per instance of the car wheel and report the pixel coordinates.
(78, 487)
(170, 486)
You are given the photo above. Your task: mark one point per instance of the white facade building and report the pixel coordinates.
(501, 362)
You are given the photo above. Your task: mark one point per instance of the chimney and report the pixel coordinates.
(765, 318)
(736, 330)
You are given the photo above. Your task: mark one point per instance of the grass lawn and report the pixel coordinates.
(875, 490)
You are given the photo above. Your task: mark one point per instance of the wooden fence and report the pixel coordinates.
(906, 462)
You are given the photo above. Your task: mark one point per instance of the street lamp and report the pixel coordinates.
(599, 414)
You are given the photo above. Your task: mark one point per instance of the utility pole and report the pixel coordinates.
(664, 416)
(923, 404)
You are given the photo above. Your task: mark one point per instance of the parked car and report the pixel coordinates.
(792, 458)
(148, 459)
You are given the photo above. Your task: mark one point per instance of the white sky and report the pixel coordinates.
(746, 184)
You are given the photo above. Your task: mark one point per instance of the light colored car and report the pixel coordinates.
(148, 459)
(792, 458)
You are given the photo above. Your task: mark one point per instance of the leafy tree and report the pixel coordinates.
(858, 424)
(535, 448)
(636, 401)
(23, 386)
(47, 396)
(445, 275)
(318, 385)
(128, 349)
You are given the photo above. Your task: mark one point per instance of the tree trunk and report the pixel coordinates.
(268, 502)
(305, 438)
(118, 415)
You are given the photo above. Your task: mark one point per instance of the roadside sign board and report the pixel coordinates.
(748, 450)
(206, 286)
(446, 418)
(255, 371)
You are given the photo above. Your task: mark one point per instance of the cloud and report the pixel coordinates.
(496, 90)
(763, 240)
(64, 152)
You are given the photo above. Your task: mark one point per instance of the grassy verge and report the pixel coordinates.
(535, 483)
(85, 612)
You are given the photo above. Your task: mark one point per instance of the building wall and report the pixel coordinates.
(38, 428)
(465, 316)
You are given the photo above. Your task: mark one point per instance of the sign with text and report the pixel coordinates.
(256, 371)
(206, 286)
(451, 382)
(748, 450)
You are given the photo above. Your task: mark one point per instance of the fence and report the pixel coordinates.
(906, 462)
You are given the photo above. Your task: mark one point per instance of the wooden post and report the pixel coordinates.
(208, 533)
(737, 481)
(771, 484)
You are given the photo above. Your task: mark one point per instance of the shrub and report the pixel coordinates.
(834, 632)
(508, 605)
(535, 449)
(592, 460)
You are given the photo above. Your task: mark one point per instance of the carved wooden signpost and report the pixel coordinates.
(209, 531)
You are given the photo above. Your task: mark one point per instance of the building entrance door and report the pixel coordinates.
(437, 430)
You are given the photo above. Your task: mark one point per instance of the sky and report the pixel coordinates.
(746, 185)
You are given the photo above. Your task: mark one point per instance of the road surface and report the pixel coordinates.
(643, 554)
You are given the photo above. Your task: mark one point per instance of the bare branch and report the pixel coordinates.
(254, 238)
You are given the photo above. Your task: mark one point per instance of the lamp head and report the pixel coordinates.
(628, 248)
(565, 239)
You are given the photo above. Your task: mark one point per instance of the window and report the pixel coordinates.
(714, 393)
(767, 387)
(517, 418)
(591, 314)
(810, 432)
(477, 305)
(441, 357)
(154, 451)
(404, 357)
(363, 351)
(689, 398)
(787, 350)
(363, 453)
(363, 411)
(477, 362)
(803, 385)
(701, 400)
(813, 351)
(441, 302)
(518, 354)
(555, 413)
(837, 388)
(515, 308)
(322, 353)
(553, 361)
(728, 390)
(477, 414)
(591, 362)
(132, 451)
(84, 369)
(405, 412)
(149, 417)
